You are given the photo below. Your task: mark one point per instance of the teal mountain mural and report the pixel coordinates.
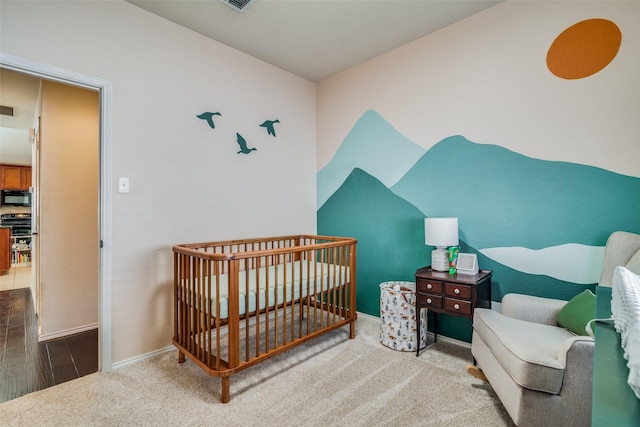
(506, 199)
(372, 145)
(388, 228)
(502, 199)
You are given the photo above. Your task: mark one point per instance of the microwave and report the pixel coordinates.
(15, 198)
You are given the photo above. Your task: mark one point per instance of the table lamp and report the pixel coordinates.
(441, 233)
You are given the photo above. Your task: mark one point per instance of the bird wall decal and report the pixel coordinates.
(243, 145)
(209, 118)
(268, 124)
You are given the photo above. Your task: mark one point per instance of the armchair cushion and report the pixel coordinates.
(532, 308)
(579, 311)
(634, 263)
(621, 248)
(529, 352)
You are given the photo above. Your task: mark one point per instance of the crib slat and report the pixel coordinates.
(267, 303)
(247, 342)
(275, 303)
(257, 324)
(198, 304)
(217, 318)
(207, 309)
(233, 305)
(284, 299)
(352, 291)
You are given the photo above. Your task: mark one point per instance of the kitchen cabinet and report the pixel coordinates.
(13, 177)
(5, 249)
(26, 178)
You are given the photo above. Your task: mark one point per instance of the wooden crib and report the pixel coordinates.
(240, 302)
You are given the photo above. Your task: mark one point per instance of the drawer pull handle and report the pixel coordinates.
(456, 291)
(456, 306)
(428, 300)
(429, 286)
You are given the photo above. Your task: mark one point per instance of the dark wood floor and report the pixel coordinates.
(27, 365)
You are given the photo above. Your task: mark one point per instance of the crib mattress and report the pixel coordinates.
(280, 283)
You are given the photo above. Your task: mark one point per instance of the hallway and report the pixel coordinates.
(27, 365)
(16, 278)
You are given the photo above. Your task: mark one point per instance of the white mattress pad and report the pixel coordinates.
(273, 285)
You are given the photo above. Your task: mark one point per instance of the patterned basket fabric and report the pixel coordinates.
(398, 329)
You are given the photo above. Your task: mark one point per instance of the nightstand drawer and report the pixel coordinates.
(457, 306)
(429, 286)
(457, 291)
(452, 294)
(430, 301)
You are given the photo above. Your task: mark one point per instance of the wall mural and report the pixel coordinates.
(269, 125)
(209, 118)
(242, 143)
(584, 49)
(540, 225)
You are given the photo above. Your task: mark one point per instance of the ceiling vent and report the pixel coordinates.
(238, 5)
(7, 111)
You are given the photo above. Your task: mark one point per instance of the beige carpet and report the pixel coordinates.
(326, 382)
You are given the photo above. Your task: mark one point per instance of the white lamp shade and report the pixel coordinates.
(441, 232)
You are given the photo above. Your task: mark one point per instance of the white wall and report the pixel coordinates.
(486, 78)
(187, 181)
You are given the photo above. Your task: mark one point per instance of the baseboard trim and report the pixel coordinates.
(142, 357)
(430, 335)
(450, 340)
(66, 333)
(154, 353)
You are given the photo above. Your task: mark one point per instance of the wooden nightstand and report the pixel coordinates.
(456, 295)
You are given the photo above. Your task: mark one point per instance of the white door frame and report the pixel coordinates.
(104, 88)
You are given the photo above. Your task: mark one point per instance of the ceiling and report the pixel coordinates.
(315, 39)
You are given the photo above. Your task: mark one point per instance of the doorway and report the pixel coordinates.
(66, 213)
(103, 89)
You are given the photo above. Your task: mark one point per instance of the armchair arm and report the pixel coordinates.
(576, 355)
(531, 308)
(577, 350)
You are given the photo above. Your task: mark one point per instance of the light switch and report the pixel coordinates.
(123, 185)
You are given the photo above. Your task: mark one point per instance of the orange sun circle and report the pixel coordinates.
(584, 49)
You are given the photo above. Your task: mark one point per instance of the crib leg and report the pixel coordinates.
(180, 357)
(352, 330)
(225, 390)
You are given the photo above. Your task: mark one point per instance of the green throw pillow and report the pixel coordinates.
(576, 313)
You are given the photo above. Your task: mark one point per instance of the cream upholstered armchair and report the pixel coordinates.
(541, 372)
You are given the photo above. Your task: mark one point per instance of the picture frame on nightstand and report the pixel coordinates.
(467, 264)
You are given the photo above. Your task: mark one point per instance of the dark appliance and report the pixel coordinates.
(20, 223)
(15, 198)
